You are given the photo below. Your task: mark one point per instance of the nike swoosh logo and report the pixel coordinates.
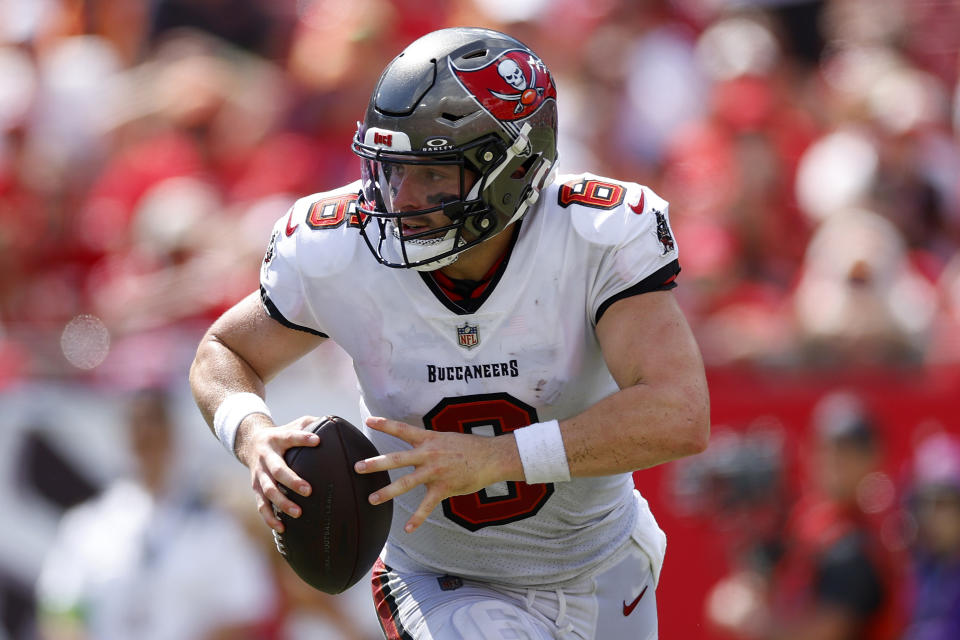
(638, 208)
(628, 608)
(290, 229)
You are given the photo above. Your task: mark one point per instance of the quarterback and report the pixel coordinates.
(517, 343)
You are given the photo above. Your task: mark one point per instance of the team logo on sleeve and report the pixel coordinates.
(271, 249)
(512, 87)
(468, 336)
(664, 234)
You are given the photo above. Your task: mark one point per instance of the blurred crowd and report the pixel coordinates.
(836, 536)
(155, 553)
(810, 150)
(828, 530)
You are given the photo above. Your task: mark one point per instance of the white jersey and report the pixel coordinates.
(529, 353)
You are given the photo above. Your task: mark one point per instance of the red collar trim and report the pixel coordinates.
(453, 289)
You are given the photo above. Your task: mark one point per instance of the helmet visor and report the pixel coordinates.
(420, 209)
(413, 186)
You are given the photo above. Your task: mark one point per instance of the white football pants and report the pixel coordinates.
(617, 603)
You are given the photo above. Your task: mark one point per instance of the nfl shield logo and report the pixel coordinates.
(467, 336)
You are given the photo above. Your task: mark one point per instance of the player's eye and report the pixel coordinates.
(445, 177)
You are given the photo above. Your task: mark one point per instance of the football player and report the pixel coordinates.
(518, 346)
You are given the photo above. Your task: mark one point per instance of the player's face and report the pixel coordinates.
(417, 187)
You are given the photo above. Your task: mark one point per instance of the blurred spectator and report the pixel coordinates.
(934, 602)
(196, 108)
(740, 487)
(860, 302)
(167, 224)
(150, 558)
(306, 613)
(833, 578)
(944, 346)
(250, 24)
(732, 172)
(717, 103)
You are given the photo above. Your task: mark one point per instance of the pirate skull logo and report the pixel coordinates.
(511, 87)
(512, 73)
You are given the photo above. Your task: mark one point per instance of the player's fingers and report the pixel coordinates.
(268, 514)
(399, 486)
(279, 472)
(284, 439)
(427, 505)
(402, 430)
(393, 460)
(285, 476)
(282, 503)
(372, 465)
(306, 421)
(272, 492)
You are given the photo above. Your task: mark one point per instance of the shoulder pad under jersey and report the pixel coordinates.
(319, 235)
(614, 213)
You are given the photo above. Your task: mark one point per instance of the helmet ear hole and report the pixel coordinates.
(524, 169)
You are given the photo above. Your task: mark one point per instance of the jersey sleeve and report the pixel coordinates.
(638, 252)
(282, 289)
(311, 248)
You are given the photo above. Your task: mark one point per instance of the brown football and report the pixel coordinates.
(339, 534)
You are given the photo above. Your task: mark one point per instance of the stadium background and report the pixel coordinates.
(810, 151)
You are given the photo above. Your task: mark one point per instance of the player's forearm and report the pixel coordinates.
(216, 372)
(638, 427)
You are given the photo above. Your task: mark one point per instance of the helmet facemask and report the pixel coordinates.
(447, 184)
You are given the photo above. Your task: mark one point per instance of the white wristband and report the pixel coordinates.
(542, 453)
(231, 412)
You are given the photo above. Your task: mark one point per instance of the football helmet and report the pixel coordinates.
(480, 105)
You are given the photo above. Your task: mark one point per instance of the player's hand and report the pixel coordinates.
(261, 448)
(446, 464)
